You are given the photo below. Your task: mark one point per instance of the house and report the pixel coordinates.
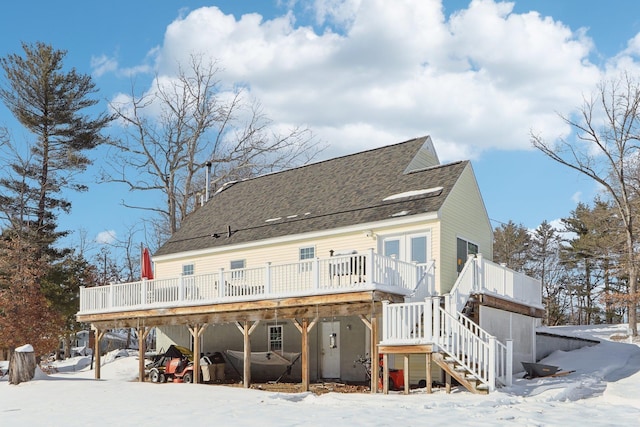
(379, 252)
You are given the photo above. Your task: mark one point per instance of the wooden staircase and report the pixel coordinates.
(466, 352)
(461, 374)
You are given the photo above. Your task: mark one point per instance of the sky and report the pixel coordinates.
(478, 77)
(602, 391)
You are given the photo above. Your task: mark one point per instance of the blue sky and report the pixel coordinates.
(476, 76)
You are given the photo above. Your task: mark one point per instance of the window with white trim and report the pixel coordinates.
(275, 338)
(412, 247)
(306, 253)
(238, 264)
(188, 269)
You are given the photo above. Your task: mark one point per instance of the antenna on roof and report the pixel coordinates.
(208, 173)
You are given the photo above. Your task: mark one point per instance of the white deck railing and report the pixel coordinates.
(460, 338)
(485, 277)
(368, 271)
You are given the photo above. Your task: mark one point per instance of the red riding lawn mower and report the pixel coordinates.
(396, 376)
(175, 365)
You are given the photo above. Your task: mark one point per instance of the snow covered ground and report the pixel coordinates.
(604, 390)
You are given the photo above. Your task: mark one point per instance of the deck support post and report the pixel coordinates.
(305, 355)
(406, 374)
(143, 332)
(196, 332)
(98, 333)
(429, 374)
(375, 355)
(247, 328)
(385, 373)
(304, 328)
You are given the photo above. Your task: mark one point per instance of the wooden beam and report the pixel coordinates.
(98, 334)
(385, 373)
(406, 374)
(297, 325)
(406, 349)
(366, 321)
(375, 355)
(305, 354)
(246, 329)
(142, 334)
(196, 331)
(508, 305)
(343, 309)
(429, 373)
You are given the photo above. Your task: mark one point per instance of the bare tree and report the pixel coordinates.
(188, 124)
(605, 149)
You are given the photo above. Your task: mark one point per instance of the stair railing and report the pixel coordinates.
(461, 339)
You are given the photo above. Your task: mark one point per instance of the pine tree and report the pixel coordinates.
(50, 103)
(511, 245)
(545, 264)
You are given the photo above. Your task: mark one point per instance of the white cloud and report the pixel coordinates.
(482, 79)
(577, 196)
(103, 64)
(106, 237)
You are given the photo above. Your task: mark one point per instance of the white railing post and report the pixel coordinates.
(143, 291)
(479, 285)
(112, 296)
(386, 319)
(221, 286)
(396, 273)
(435, 303)
(181, 288)
(368, 267)
(83, 299)
(315, 272)
(492, 363)
(509, 368)
(428, 319)
(448, 310)
(267, 279)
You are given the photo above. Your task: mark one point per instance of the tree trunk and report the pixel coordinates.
(22, 367)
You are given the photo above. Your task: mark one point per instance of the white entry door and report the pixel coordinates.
(330, 364)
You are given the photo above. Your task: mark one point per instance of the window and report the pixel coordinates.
(187, 270)
(306, 253)
(419, 249)
(237, 265)
(392, 247)
(275, 338)
(464, 249)
(409, 247)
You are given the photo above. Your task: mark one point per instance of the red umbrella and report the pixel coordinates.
(147, 270)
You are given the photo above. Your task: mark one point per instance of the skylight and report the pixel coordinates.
(412, 193)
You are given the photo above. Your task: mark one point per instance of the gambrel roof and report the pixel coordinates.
(379, 184)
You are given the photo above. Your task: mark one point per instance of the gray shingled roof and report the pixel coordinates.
(334, 193)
